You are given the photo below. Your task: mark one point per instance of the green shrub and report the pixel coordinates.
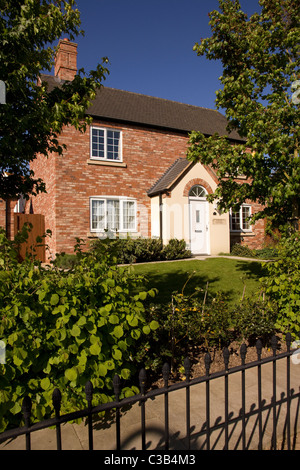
(201, 319)
(62, 328)
(282, 284)
(254, 318)
(246, 252)
(140, 250)
(65, 260)
(175, 249)
(242, 250)
(267, 253)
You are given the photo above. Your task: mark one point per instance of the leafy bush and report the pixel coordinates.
(142, 249)
(175, 249)
(242, 250)
(201, 319)
(254, 318)
(282, 284)
(65, 260)
(62, 328)
(267, 252)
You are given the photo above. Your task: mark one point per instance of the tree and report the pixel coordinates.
(33, 117)
(260, 55)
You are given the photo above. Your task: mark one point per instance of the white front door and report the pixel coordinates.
(199, 226)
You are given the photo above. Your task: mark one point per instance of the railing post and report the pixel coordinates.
(259, 349)
(226, 362)
(288, 340)
(166, 373)
(187, 370)
(56, 400)
(116, 384)
(274, 347)
(89, 398)
(142, 382)
(26, 408)
(243, 352)
(207, 362)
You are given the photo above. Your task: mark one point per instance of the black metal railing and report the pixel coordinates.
(265, 413)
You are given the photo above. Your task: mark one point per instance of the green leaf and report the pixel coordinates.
(75, 331)
(125, 374)
(154, 325)
(118, 331)
(45, 383)
(143, 295)
(71, 374)
(113, 319)
(102, 369)
(81, 321)
(16, 408)
(132, 320)
(146, 329)
(54, 299)
(117, 355)
(95, 349)
(135, 334)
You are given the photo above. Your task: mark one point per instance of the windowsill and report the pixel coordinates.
(106, 163)
(104, 235)
(240, 232)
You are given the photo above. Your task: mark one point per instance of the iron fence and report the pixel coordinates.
(276, 417)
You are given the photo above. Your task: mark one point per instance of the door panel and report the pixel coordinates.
(198, 227)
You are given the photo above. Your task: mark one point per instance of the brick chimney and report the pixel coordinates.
(65, 66)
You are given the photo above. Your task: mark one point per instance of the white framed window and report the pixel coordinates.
(113, 214)
(197, 191)
(105, 144)
(240, 220)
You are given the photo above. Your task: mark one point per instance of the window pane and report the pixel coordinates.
(98, 215)
(113, 139)
(113, 215)
(197, 191)
(98, 143)
(128, 215)
(235, 221)
(245, 217)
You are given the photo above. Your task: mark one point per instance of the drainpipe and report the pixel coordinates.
(160, 217)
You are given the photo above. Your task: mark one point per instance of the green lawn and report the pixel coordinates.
(226, 275)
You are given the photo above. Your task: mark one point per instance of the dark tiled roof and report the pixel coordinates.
(170, 176)
(134, 108)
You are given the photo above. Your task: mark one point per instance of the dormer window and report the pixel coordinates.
(106, 144)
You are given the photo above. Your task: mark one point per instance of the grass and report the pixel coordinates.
(232, 277)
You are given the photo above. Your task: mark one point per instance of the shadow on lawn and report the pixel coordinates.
(181, 282)
(252, 269)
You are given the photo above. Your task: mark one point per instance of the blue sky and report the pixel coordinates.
(150, 46)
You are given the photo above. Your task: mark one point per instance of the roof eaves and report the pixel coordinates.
(157, 189)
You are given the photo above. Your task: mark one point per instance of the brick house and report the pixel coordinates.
(129, 173)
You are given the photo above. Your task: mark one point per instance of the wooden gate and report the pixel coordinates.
(38, 230)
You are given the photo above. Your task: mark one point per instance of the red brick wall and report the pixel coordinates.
(7, 216)
(44, 203)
